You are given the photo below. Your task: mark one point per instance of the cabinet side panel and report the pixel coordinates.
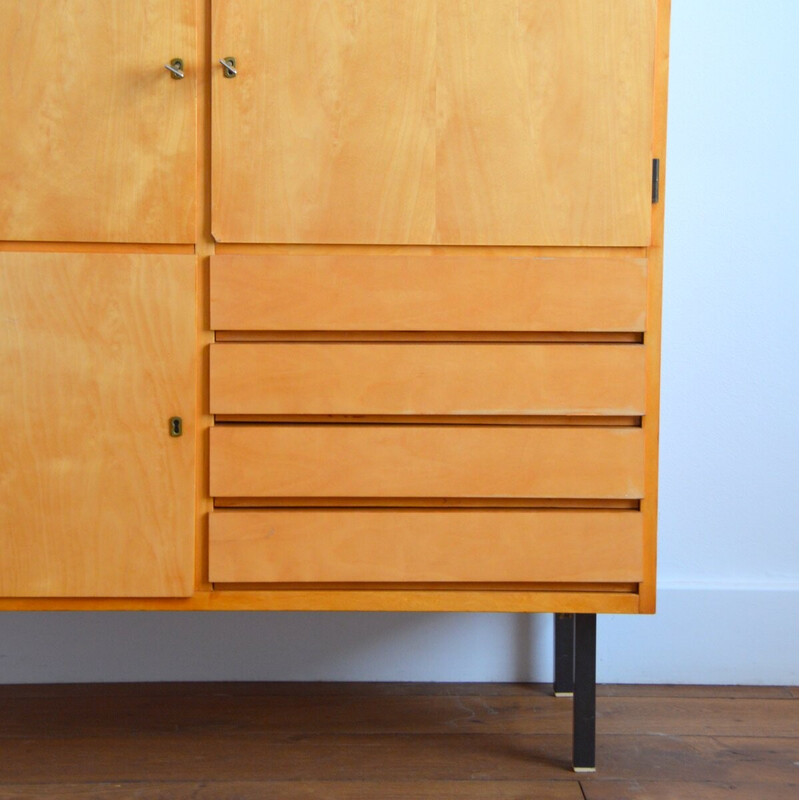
(96, 497)
(652, 341)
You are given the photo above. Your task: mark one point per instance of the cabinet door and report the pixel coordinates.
(544, 114)
(96, 496)
(326, 134)
(434, 121)
(98, 138)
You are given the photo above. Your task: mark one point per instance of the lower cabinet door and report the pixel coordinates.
(96, 486)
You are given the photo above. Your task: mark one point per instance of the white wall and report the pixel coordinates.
(728, 525)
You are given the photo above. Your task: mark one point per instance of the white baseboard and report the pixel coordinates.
(702, 633)
(723, 633)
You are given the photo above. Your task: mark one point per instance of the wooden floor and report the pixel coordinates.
(392, 742)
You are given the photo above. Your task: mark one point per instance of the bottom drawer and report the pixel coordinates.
(426, 546)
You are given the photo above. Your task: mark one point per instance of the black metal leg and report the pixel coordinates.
(564, 654)
(583, 720)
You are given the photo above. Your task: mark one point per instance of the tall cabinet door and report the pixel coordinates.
(464, 122)
(96, 491)
(98, 137)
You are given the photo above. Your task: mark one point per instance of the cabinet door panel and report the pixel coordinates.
(98, 139)
(96, 498)
(544, 116)
(327, 132)
(434, 121)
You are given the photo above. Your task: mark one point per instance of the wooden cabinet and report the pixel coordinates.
(453, 122)
(423, 243)
(99, 143)
(333, 305)
(96, 495)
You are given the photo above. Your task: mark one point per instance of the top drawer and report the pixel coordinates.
(427, 293)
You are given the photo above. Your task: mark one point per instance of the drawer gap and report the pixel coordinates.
(423, 502)
(625, 588)
(432, 419)
(551, 337)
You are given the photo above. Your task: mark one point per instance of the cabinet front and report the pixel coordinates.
(478, 413)
(98, 137)
(96, 488)
(433, 122)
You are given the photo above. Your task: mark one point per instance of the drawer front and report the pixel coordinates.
(427, 293)
(426, 461)
(320, 546)
(432, 379)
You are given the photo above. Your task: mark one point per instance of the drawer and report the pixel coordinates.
(427, 293)
(289, 546)
(427, 461)
(431, 378)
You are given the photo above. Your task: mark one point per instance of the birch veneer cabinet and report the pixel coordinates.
(354, 305)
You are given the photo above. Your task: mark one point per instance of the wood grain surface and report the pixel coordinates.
(333, 111)
(434, 122)
(96, 498)
(408, 379)
(425, 546)
(425, 461)
(545, 115)
(471, 292)
(99, 142)
(460, 598)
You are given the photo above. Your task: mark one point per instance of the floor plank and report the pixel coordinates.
(159, 757)
(698, 716)
(681, 790)
(307, 790)
(674, 691)
(323, 688)
(233, 714)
